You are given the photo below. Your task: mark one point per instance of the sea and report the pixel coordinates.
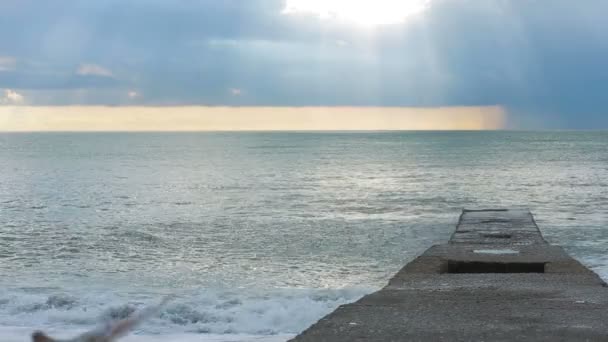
(257, 235)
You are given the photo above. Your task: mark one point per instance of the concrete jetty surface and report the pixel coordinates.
(497, 279)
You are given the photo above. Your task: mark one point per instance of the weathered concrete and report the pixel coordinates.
(452, 293)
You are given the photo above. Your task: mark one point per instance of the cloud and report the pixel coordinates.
(11, 97)
(367, 13)
(235, 91)
(34, 80)
(341, 42)
(93, 70)
(7, 63)
(534, 62)
(132, 94)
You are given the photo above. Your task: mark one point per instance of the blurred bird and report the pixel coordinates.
(111, 331)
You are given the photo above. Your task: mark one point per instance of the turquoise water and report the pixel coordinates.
(263, 233)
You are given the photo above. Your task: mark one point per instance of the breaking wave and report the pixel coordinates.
(214, 312)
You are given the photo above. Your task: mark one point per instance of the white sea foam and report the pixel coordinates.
(20, 334)
(207, 313)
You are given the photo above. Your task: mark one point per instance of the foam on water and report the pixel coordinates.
(208, 312)
(19, 334)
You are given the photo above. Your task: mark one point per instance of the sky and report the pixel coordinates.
(525, 64)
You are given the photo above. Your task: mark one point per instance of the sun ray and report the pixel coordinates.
(362, 12)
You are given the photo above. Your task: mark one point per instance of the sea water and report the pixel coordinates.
(258, 235)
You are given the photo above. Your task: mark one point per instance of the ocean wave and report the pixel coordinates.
(20, 334)
(135, 235)
(60, 301)
(206, 311)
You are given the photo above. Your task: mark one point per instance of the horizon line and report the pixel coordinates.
(505, 130)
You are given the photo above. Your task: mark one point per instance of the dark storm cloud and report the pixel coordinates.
(540, 59)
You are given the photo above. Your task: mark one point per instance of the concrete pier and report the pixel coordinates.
(497, 279)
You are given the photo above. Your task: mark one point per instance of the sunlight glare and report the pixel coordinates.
(362, 12)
